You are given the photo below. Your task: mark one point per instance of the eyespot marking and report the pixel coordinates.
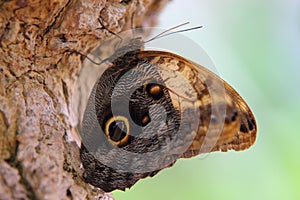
(145, 120)
(155, 91)
(117, 130)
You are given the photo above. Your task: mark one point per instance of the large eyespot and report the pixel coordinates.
(117, 130)
(155, 91)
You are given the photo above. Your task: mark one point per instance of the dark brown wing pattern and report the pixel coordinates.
(237, 130)
(202, 114)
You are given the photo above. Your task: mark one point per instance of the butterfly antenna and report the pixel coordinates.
(180, 31)
(167, 32)
(170, 29)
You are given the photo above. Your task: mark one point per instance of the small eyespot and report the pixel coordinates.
(117, 130)
(145, 120)
(155, 91)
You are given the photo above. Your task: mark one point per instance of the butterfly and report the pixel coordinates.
(150, 108)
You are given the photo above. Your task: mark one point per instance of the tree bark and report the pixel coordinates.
(39, 147)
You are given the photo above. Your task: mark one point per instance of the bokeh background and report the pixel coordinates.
(256, 48)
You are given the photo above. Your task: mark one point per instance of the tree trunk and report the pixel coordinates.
(39, 151)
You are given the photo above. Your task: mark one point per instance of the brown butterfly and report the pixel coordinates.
(150, 108)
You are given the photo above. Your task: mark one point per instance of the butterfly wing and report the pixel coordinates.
(225, 121)
(192, 111)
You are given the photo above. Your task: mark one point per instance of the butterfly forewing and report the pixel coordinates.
(239, 126)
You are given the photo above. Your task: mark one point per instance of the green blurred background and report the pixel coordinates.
(256, 48)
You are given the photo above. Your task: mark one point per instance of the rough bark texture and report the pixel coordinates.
(38, 70)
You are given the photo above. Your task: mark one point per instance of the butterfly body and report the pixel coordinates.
(150, 108)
